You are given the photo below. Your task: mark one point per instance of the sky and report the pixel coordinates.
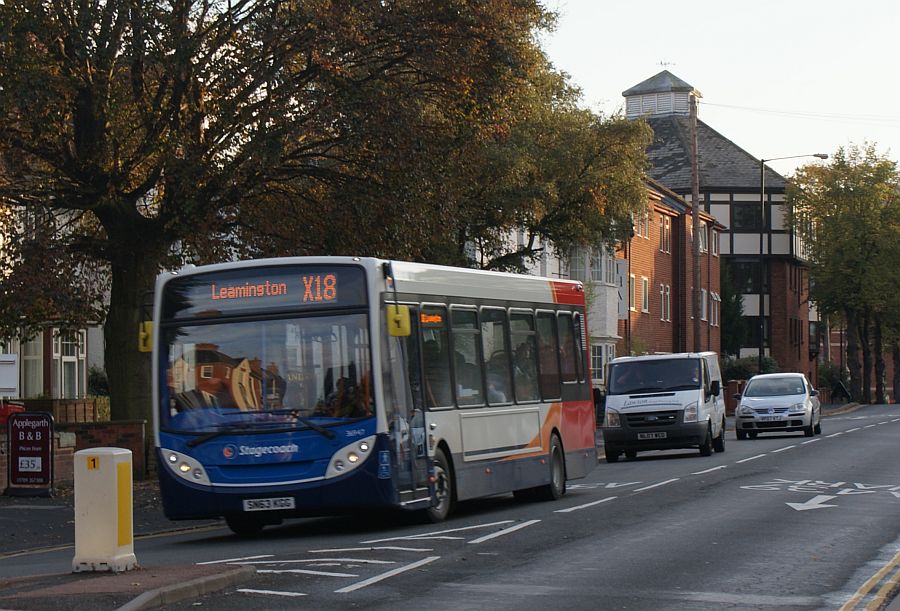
(777, 78)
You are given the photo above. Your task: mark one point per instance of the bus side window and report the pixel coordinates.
(436, 356)
(466, 357)
(496, 356)
(548, 355)
(525, 376)
(566, 348)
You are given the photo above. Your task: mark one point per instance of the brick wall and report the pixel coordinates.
(790, 319)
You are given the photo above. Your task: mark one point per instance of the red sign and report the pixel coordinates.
(30, 436)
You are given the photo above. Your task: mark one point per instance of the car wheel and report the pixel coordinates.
(809, 431)
(706, 448)
(752, 435)
(719, 442)
(741, 434)
(612, 454)
(443, 488)
(818, 429)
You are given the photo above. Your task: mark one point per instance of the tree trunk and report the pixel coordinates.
(853, 355)
(878, 351)
(865, 348)
(131, 301)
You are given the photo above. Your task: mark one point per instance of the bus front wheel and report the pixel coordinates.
(443, 488)
(243, 526)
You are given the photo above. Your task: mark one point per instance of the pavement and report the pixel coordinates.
(31, 524)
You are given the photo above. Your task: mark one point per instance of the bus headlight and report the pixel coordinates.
(186, 467)
(349, 457)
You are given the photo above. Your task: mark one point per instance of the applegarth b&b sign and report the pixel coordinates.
(30, 453)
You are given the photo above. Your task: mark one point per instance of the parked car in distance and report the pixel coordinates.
(775, 403)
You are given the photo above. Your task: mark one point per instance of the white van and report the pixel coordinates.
(664, 401)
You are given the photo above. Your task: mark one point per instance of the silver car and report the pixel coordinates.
(775, 403)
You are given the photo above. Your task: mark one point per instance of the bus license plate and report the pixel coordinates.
(651, 435)
(284, 502)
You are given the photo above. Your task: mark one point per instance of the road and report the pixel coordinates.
(780, 522)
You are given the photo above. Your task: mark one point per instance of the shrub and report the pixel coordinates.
(747, 367)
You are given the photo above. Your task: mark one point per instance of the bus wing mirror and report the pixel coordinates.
(398, 320)
(145, 336)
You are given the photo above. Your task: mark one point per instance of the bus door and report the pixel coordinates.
(406, 420)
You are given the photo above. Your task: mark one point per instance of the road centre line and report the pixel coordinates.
(749, 459)
(271, 592)
(851, 430)
(885, 422)
(367, 582)
(803, 443)
(305, 572)
(709, 470)
(505, 531)
(896, 420)
(783, 449)
(868, 426)
(435, 534)
(585, 506)
(393, 548)
(835, 434)
(668, 481)
(227, 560)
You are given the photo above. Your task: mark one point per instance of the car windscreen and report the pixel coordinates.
(658, 375)
(775, 387)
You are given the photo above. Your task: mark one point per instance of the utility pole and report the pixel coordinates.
(695, 217)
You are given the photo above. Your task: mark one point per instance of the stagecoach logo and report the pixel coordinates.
(231, 450)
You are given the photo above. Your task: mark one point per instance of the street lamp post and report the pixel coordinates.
(762, 257)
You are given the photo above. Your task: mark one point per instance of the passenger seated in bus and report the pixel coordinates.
(498, 378)
(468, 381)
(525, 373)
(495, 389)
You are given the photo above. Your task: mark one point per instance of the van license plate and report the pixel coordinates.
(651, 435)
(283, 502)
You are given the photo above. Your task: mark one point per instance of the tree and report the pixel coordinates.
(848, 214)
(137, 135)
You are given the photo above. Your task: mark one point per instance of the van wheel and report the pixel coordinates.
(557, 486)
(631, 454)
(612, 455)
(443, 489)
(706, 447)
(719, 442)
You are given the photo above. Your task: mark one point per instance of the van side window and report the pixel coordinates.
(548, 355)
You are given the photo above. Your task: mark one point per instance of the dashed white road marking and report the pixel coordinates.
(749, 459)
(885, 422)
(505, 531)
(783, 449)
(305, 572)
(585, 506)
(227, 560)
(835, 434)
(367, 582)
(438, 534)
(851, 430)
(317, 560)
(270, 592)
(668, 481)
(868, 426)
(709, 470)
(394, 548)
(803, 443)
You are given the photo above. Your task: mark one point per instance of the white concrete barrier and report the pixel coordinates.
(104, 516)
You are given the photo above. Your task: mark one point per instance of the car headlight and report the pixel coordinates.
(798, 407)
(690, 412)
(746, 410)
(612, 419)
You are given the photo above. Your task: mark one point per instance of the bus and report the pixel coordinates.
(305, 386)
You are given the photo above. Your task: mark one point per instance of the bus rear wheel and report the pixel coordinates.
(557, 486)
(443, 489)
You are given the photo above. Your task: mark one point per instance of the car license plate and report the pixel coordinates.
(283, 502)
(651, 435)
(770, 418)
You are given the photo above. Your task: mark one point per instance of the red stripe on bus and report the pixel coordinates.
(567, 292)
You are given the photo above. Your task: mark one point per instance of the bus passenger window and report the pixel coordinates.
(548, 355)
(467, 358)
(525, 377)
(496, 358)
(567, 348)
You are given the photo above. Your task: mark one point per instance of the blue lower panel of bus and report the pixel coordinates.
(368, 485)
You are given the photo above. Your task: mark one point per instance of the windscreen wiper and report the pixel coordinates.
(309, 423)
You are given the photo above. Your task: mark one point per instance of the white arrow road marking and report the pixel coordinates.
(817, 502)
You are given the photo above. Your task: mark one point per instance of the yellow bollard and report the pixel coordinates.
(104, 528)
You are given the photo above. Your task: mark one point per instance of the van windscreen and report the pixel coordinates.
(658, 375)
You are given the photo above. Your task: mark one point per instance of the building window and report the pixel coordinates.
(206, 371)
(610, 267)
(746, 217)
(32, 368)
(577, 269)
(668, 303)
(645, 294)
(665, 233)
(704, 237)
(597, 362)
(632, 288)
(715, 243)
(703, 304)
(664, 303)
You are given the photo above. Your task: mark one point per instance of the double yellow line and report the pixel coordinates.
(881, 596)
